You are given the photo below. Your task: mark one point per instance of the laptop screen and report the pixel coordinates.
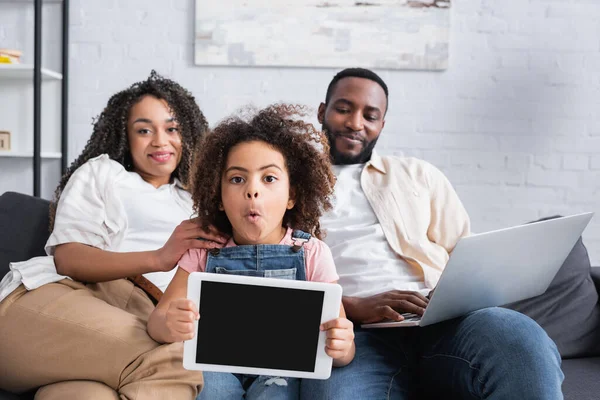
(258, 326)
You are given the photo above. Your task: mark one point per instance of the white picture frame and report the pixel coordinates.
(382, 34)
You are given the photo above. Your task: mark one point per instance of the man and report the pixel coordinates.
(392, 228)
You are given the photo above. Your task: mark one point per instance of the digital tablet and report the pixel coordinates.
(260, 326)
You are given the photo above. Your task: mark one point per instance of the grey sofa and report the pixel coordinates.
(569, 310)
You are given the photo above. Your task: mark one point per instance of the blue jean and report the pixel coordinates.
(224, 386)
(270, 261)
(492, 353)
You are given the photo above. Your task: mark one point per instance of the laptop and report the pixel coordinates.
(498, 267)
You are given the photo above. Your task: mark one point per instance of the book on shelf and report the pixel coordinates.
(4, 141)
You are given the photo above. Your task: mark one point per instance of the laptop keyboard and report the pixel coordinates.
(411, 316)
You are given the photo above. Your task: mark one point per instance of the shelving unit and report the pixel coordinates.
(21, 154)
(34, 106)
(26, 71)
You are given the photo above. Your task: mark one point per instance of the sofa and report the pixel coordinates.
(568, 311)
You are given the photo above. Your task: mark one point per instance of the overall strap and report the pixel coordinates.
(299, 238)
(298, 234)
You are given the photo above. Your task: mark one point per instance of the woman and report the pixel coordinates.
(116, 215)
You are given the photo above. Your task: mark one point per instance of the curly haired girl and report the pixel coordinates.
(264, 181)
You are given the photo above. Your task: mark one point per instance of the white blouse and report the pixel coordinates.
(105, 206)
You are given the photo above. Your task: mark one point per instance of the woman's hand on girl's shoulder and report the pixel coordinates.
(187, 235)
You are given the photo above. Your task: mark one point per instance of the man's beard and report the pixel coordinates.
(339, 158)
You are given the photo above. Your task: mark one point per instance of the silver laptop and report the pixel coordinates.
(498, 267)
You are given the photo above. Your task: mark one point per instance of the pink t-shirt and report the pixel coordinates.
(317, 258)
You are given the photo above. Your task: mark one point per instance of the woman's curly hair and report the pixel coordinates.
(306, 153)
(109, 135)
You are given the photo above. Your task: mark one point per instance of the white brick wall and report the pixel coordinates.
(514, 122)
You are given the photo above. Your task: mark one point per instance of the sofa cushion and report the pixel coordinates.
(24, 222)
(569, 310)
(596, 277)
(8, 396)
(581, 378)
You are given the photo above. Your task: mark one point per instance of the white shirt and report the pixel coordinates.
(152, 214)
(107, 207)
(364, 260)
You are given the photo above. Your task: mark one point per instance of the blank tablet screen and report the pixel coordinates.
(258, 326)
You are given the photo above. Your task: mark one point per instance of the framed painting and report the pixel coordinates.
(384, 34)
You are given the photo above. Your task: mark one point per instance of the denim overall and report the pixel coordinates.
(264, 260)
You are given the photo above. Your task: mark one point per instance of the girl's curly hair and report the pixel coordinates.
(109, 135)
(306, 153)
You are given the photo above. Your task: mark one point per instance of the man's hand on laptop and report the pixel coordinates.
(385, 306)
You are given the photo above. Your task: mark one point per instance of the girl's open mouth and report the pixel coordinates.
(253, 216)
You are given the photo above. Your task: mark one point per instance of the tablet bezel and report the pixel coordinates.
(331, 309)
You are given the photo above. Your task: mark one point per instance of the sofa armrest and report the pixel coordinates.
(8, 396)
(23, 228)
(596, 277)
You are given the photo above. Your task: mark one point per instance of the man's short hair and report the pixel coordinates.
(356, 73)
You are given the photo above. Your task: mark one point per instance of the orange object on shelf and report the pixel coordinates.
(10, 56)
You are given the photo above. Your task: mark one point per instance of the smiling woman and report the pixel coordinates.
(113, 129)
(118, 213)
(154, 140)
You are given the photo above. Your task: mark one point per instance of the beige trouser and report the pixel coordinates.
(93, 334)
(76, 390)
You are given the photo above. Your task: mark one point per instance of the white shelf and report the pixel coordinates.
(28, 1)
(25, 71)
(28, 154)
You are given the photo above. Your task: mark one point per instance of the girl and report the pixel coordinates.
(264, 182)
(117, 214)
